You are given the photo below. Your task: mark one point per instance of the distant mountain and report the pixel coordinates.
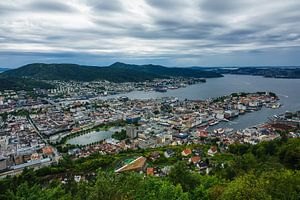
(117, 72)
(3, 69)
(271, 72)
(159, 70)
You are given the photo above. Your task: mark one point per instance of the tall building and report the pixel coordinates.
(131, 132)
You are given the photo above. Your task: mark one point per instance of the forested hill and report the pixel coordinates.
(159, 70)
(117, 72)
(14, 83)
(3, 69)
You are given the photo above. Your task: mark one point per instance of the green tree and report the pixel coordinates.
(180, 174)
(204, 189)
(283, 184)
(157, 189)
(246, 187)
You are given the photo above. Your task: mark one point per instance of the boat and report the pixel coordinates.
(219, 130)
(213, 123)
(161, 89)
(173, 87)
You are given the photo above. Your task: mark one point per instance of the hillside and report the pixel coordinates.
(270, 72)
(3, 69)
(269, 170)
(117, 72)
(12, 83)
(166, 71)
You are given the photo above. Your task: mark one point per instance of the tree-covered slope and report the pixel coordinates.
(118, 72)
(269, 170)
(166, 71)
(76, 72)
(12, 83)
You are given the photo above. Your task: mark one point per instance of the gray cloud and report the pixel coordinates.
(49, 6)
(222, 7)
(166, 4)
(108, 6)
(172, 32)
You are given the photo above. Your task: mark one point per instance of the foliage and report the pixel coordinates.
(19, 83)
(118, 72)
(120, 135)
(268, 170)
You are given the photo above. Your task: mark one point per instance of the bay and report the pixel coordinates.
(287, 90)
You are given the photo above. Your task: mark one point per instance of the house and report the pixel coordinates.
(77, 178)
(195, 159)
(212, 151)
(203, 166)
(186, 152)
(169, 153)
(150, 171)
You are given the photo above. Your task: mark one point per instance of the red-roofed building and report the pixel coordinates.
(75, 129)
(150, 171)
(202, 133)
(195, 159)
(186, 152)
(47, 150)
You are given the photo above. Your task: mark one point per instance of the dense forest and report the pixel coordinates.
(269, 170)
(117, 72)
(13, 83)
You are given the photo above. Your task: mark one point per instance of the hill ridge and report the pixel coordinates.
(116, 72)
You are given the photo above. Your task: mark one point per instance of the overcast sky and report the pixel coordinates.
(168, 32)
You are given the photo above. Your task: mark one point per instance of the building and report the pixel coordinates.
(48, 151)
(186, 152)
(212, 151)
(18, 159)
(131, 132)
(3, 163)
(150, 171)
(169, 153)
(136, 165)
(133, 119)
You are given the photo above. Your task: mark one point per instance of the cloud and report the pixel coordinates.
(108, 6)
(49, 6)
(222, 7)
(171, 32)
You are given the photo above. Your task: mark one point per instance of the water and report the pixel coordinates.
(90, 138)
(287, 90)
